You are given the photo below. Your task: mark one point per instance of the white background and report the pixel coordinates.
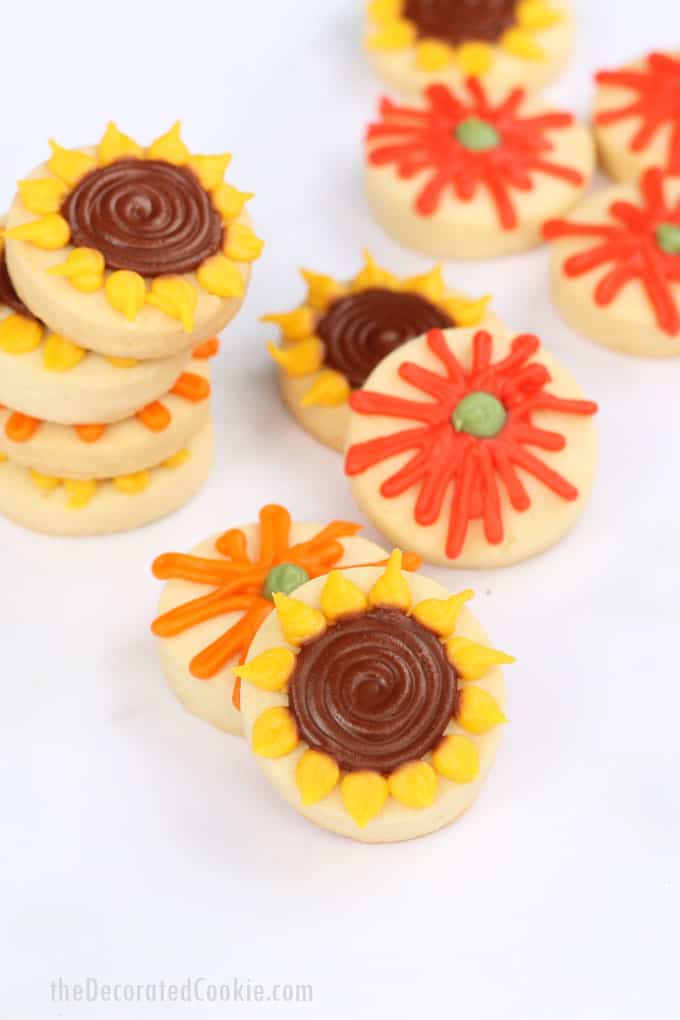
(139, 844)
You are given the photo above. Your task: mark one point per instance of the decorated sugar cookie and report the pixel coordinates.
(217, 597)
(81, 507)
(374, 702)
(332, 342)
(458, 175)
(415, 43)
(128, 251)
(637, 117)
(616, 266)
(477, 449)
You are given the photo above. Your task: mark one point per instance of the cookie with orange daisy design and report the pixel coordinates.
(415, 43)
(217, 596)
(332, 342)
(457, 174)
(476, 448)
(128, 251)
(374, 702)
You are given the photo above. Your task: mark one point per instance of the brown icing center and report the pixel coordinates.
(458, 21)
(374, 691)
(8, 295)
(360, 330)
(147, 216)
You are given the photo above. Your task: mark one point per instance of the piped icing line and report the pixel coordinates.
(149, 227)
(471, 436)
(640, 242)
(463, 144)
(393, 737)
(343, 330)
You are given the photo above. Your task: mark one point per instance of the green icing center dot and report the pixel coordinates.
(479, 414)
(284, 579)
(668, 238)
(477, 135)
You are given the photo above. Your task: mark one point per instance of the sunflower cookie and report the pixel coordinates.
(616, 266)
(415, 43)
(374, 702)
(332, 342)
(457, 175)
(131, 252)
(477, 449)
(82, 507)
(637, 117)
(217, 597)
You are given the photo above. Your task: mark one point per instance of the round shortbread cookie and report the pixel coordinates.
(111, 507)
(637, 117)
(530, 52)
(458, 176)
(139, 442)
(386, 709)
(616, 267)
(478, 451)
(212, 698)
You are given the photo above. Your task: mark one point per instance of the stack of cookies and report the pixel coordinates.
(119, 266)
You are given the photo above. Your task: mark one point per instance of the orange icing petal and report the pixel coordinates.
(20, 428)
(274, 533)
(207, 350)
(192, 387)
(233, 543)
(189, 615)
(200, 570)
(155, 416)
(90, 433)
(236, 641)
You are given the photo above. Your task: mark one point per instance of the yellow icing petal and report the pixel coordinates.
(46, 483)
(122, 362)
(70, 164)
(210, 170)
(131, 485)
(391, 588)
(467, 312)
(372, 275)
(61, 354)
(330, 389)
(296, 325)
(477, 711)
(19, 335)
(221, 277)
(126, 292)
(474, 58)
(536, 15)
(520, 43)
(275, 733)
(364, 795)
(433, 56)
(316, 775)
(341, 597)
(51, 232)
(440, 615)
(269, 671)
(456, 759)
(321, 289)
(42, 195)
(303, 359)
(115, 145)
(392, 36)
(229, 201)
(84, 267)
(79, 493)
(3, 457)
(384, 10)
(473, 661)
(414, 785)
(299, 622)
(430, 285)
(177, 460)
(176, 297)
(242, 244)
(170, 147)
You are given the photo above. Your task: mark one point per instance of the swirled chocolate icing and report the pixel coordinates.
(459, 21)
(8, 295)
(374, 691)
(147, 216)
(358, 331)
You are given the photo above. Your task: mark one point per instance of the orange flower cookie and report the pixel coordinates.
(131, 252)
(218, 595)
(415, 43)
(374, 702)
(332, 342)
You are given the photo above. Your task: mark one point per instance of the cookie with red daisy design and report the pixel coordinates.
(637, 117)
(478, 449)
(616, 266)
(217, 596)
(459, 175)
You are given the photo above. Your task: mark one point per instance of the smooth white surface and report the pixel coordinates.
(138, 844)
